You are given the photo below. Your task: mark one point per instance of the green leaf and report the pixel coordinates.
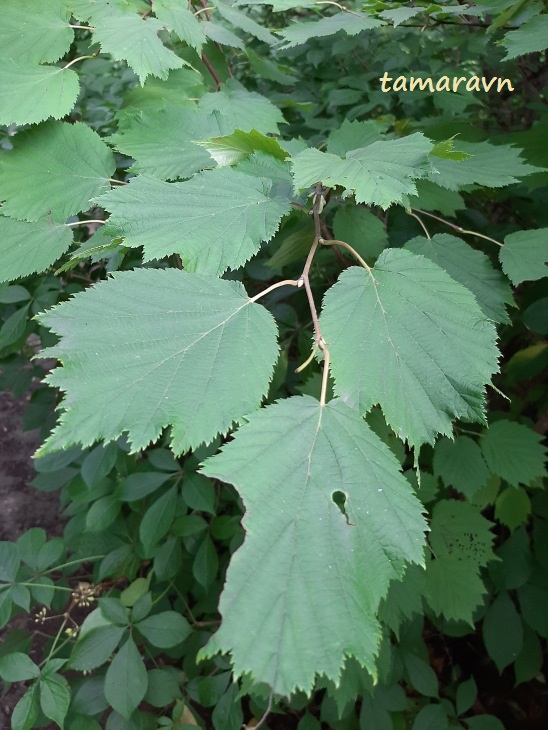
(459, 530)
(502, 631)
(524, 256)
(530, 659)
(243, 22)
(14, 327)
(181, 21)
(95, 647)
(32, 93)
(13, 294)
(469, 267)
(9, 561)
(408, 337)
(421, 675)
(55, 698)
(113, 611)
(126, 680)
(531, 37)
(288, 462)
(227, 713)
(27, 248)
(431, 717)
(302, 31)
(204, 357)
(216, 220)
(433, 197)
(54, 169)
(353, 135)
(199, 493)
(233, 148)
(206, 563)
(461, 465)
(164, 630)
(242, 109)
(35, 31)
(514, 452)
(484, 722)
(446, 151)
(381, 173)
(221, 35)
(140, 485)
(513, 507)
(361, 229)
(467, 693)
(18, 667)
(134, 40)
(25, 712)
(163, 688)
(158, 518)
(173, 154)
(98, 464)
(453, 588)
(491, 165)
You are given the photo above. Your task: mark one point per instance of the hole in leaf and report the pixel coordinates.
(339, 498)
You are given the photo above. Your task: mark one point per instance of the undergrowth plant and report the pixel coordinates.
(294, 331)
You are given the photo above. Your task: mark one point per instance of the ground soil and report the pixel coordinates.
(21, 507)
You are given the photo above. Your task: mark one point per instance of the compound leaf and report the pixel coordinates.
(514, 452)
(32, 93)
(29, 247)
(381, 173)
(408, 337)
(35, 31)
(351, 23)
(310, 571)
(173, 154)
(54, 169)
(152, 348)
(531, 37)
(524, 256)
(215, 221)
(471, 268)
(127, 37)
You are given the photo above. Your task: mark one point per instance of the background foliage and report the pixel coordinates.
(198, 134)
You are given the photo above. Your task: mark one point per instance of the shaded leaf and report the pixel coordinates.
(524, 256)
(26, 248)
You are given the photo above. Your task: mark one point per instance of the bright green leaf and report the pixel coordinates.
(408, 337)
(302, 31)
(531, 37)
(471, 268)
(216, 220)
(54, 170)
(524, 256)
(288, 462)
(204, 357)
(233, 148)
(381, 173)
(35, 31)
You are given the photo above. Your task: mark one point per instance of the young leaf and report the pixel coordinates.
(130, 38)
(381, 173)
(152, 348)
(215, 221)
(233, 148)
(302, 31)
(408, 337)
(26, 248)
(126, 680)
(54, 170)
(288, 463)
(471, 268)
(514, 452)
(32, 93)
(524, 256)
(35, 32)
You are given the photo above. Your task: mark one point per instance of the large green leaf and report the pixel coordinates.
(134, 40)
(241, 109)
(215, 221)
(32, 93)
(514, 452)
(34, 31)
(29, 247)
(491, 165)
(178, 18)
(524, 256)
(531, 37)
(126, 680)
(173, 153)
(308, 579)
(54, 169)
(408, 337)
(153, 348)
(240, 20)
(351, 23)
(471, 268)
(381, 173)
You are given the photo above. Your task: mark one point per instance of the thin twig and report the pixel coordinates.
(80, 58)
(118, 182)
(325, 375)
(203, 10)
(354, 253)
(285, 282)
(416, 217)
(338, 5)
(82, 27)
(210, 68)
(264, 717)
(458, 228)
(83, 223)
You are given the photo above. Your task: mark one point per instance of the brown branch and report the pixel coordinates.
(212, 71)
